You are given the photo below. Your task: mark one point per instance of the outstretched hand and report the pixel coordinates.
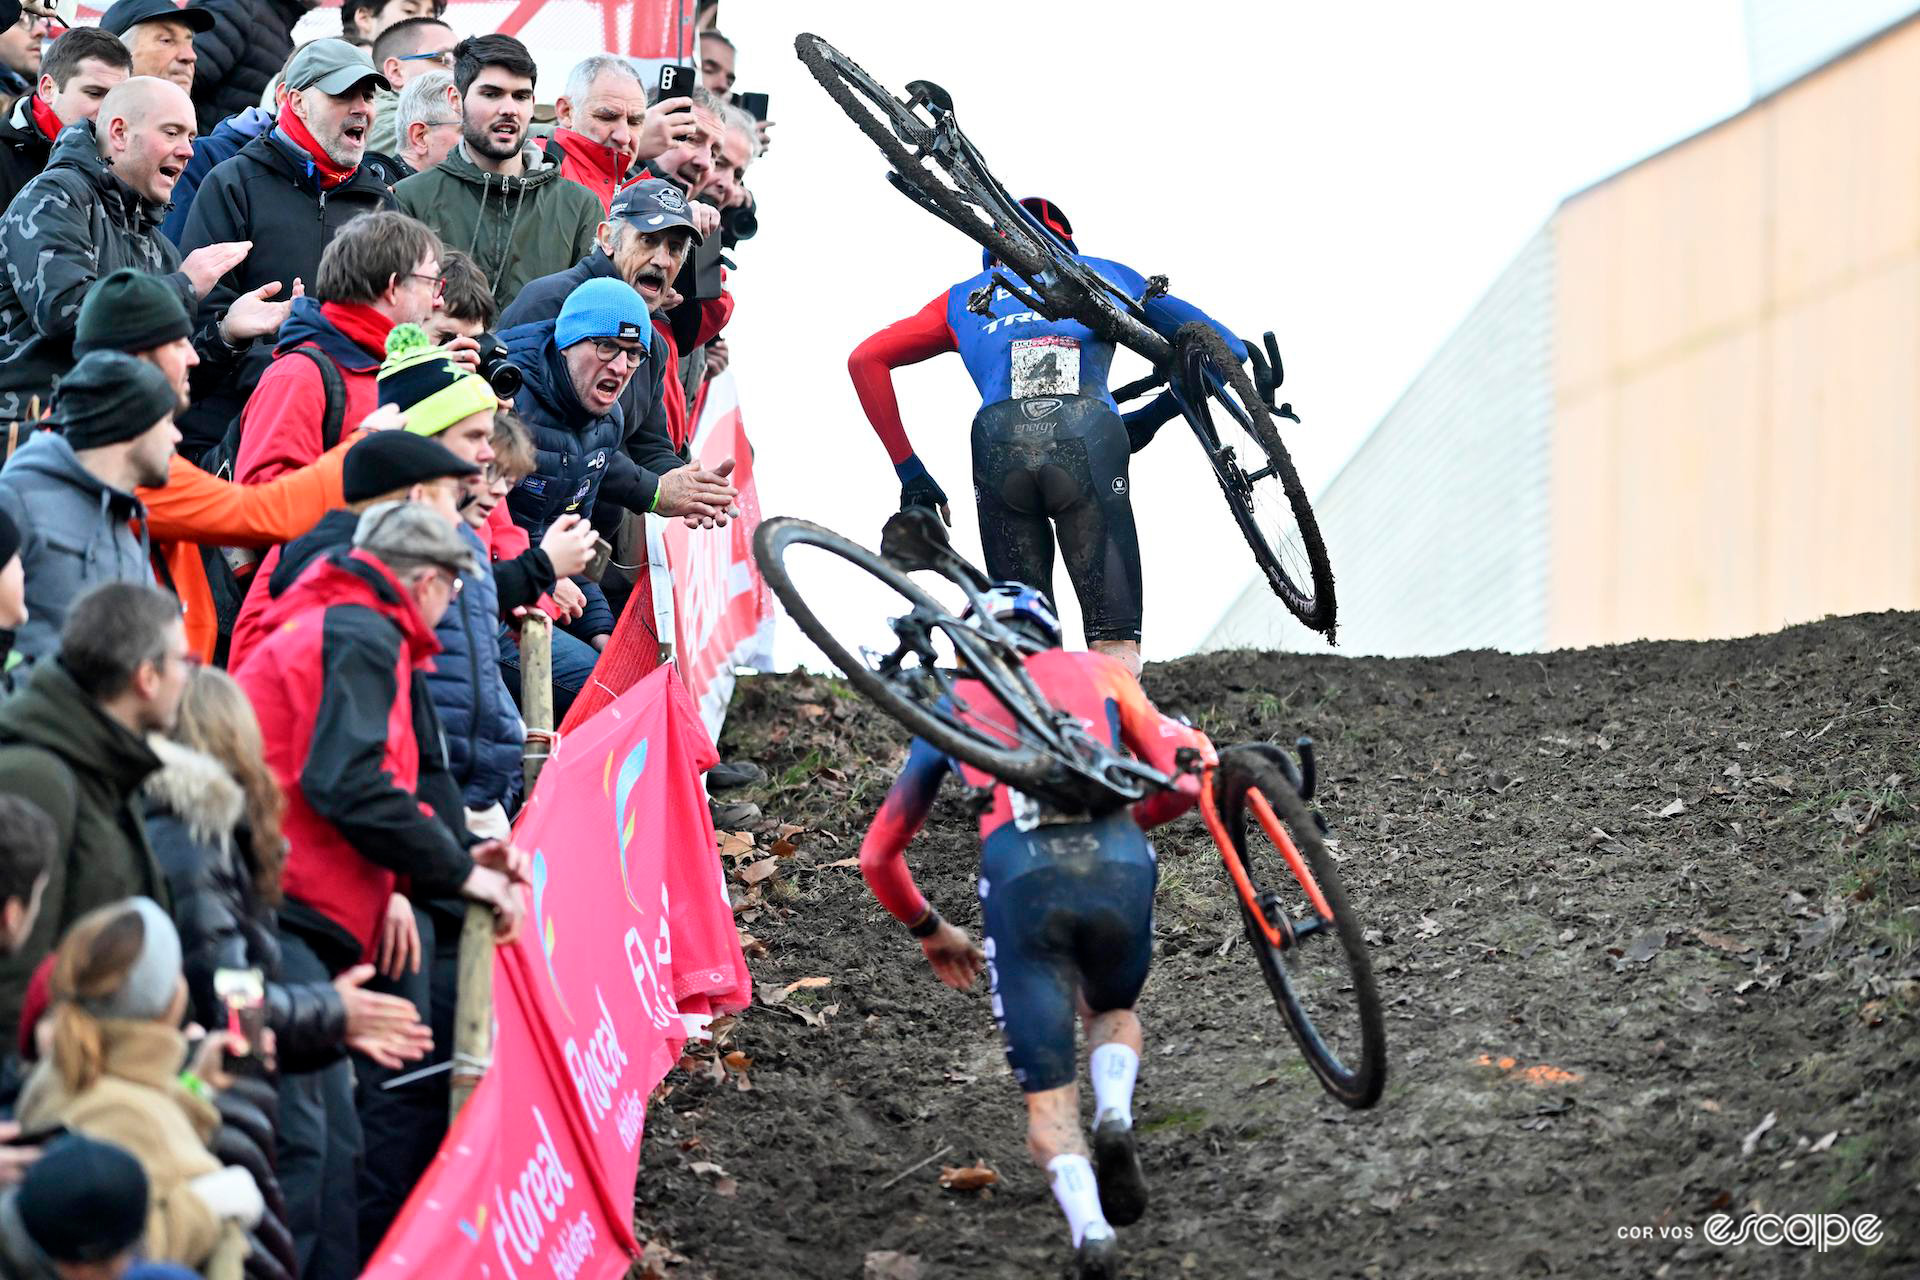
(955, 960)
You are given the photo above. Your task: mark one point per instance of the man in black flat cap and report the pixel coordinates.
(113, 432)
(159, 35)
(85, 1202)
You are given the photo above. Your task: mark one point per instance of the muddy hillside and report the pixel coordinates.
(1646, 920)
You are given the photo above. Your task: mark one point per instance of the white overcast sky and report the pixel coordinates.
(1351, 175)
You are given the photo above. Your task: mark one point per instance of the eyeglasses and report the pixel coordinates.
(454, 581)
(444, 57)
(439, 283)
(607, 349)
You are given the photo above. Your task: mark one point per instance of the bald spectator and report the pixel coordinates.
(407, 49)
(426, 118)
(96, 209)
(80, 68)
(600, 117)
(159, 35)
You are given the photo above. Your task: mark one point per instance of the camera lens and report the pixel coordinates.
(505, 377)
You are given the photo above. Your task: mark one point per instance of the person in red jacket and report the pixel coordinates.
(380, 270)
(1067, 909)
(600, 116)
(353, 740)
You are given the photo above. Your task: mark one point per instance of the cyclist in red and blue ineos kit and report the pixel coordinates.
(1067, 912)
(1050, 449)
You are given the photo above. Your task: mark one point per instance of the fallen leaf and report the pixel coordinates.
(843, 862)
(788, 830)
(707, 1169)
(967, 1177)
(1646, 946)
(736, 844)
(890, 1264)
(1873, 1012)
(785, 848)
(1675, 809)
(1709, 1104)
(1723, 942)
(726, 1187)
(1783, 781)
(1426, 928)
(1752, 1140)
(811, 710)
(1824, 1141)
(752, 945)
(737, 1061)
(804, 984)
(755, 872)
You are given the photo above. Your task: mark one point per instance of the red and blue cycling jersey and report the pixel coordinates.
(1096, 689)
(1012, 352)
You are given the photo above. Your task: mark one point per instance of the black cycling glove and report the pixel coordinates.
(922, 491)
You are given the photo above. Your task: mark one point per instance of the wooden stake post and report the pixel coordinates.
(473, 1010)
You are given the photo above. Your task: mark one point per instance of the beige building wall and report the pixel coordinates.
(1736, 375)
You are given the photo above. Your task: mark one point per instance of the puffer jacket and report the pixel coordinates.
(209, 150)
(195, 814)
(643, 405)
(572, 450)
(69, 226)
(266, 193)
(484, 731)
(248, 44)
(516, 228)
(80, 533)
(140, 1103)
(59, 750)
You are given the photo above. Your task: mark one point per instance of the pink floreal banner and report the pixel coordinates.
(629, 938)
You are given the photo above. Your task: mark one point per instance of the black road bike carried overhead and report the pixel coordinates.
(935, 166)
(942, 670)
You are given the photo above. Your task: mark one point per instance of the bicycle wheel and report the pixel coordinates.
(1256, 475)
(945, 175)
(1322, 982)
(904, 674)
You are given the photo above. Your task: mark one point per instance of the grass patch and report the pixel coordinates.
(1850, 1172)
(1185, 1119)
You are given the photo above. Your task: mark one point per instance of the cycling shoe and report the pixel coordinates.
(1097, 1258)
(1116, 1168)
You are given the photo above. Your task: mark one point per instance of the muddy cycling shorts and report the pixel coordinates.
(1049, 467)
(1068, 909)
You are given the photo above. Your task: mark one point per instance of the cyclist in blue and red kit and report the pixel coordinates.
(1050, 450)
(1067, 913)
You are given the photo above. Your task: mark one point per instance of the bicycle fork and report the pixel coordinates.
(1267, 910)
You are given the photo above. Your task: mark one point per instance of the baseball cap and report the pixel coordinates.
(331, 66)
(653, 204)
(128, 14)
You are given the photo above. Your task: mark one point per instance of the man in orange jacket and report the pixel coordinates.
(194, 515)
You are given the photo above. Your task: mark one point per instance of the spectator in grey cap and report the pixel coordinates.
(287, 192)
(112, 433)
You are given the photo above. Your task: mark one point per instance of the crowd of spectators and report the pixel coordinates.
(321, 368)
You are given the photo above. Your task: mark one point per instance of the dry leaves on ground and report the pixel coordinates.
(971, 1177)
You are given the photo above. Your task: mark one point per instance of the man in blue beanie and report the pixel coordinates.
(576, 368)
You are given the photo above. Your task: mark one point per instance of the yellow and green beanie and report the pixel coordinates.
(430, 389)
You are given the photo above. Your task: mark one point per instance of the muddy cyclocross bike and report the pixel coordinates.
(935, 165)
(1255, 802)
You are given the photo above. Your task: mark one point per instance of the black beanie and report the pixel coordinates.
(131, 311)
(390, 460)
(109, 398)
(9, 539)
(83, 1200)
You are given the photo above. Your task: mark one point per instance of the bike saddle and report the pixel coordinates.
(915, 539)
(932, 94)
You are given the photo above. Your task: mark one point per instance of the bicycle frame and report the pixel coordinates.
(1280, 932)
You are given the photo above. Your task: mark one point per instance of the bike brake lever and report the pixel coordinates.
(1156, 288)
(1286, 411)
(1273, 359)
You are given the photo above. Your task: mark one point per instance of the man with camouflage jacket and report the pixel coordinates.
(96, 208)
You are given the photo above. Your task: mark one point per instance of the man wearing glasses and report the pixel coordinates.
(288, 192)
(576, 367)
(405, 50)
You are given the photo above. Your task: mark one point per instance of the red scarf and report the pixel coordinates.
(363, 325)
(325, 171)
(43, 116)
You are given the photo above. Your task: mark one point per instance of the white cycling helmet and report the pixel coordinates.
(1014, 602)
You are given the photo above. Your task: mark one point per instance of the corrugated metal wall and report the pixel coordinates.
(1437, 527)
(1787, 38)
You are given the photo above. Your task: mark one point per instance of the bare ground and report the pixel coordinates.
(1682, 876)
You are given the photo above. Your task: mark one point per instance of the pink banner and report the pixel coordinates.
(629, 933)
(723, 611)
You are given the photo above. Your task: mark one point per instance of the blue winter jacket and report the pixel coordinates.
(484, 731)
(572, 448)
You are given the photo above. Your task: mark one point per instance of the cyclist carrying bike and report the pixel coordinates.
(1050, 449)
(1067, 910)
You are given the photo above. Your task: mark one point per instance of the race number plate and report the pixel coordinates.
(1046, 367)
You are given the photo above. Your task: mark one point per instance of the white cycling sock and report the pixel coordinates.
(1079, 1197)
(1113, 1068)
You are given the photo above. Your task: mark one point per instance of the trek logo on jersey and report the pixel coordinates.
(1038, 409)
(1018, 317)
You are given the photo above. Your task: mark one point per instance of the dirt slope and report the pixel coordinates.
(1509, 825)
